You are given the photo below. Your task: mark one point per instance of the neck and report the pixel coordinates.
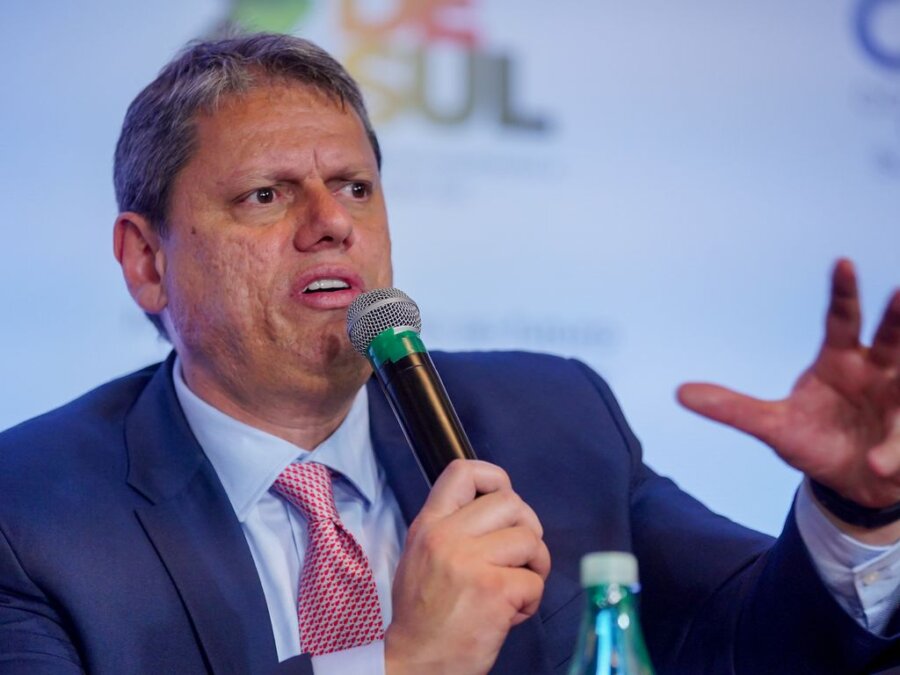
(305, 415)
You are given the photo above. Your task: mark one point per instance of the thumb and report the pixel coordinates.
(745, 413)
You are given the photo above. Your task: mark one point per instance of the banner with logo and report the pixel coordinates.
(656, 188)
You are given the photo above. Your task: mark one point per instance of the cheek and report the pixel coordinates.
(219, 278)
(387, 266)
(380, 254)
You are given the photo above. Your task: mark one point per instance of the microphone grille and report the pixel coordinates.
(373, 312)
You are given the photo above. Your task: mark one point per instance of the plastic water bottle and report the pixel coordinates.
(610, 641)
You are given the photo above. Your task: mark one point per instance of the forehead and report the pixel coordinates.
(263, 92)
(277, 118)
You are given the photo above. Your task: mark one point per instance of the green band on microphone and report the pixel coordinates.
(392, 344)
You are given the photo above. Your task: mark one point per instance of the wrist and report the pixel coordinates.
(875, 527)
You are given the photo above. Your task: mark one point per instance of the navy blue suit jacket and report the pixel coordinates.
(120, 553)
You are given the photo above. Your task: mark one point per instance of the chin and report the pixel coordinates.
(330, 354)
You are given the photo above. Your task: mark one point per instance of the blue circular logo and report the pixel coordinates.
(867, 16)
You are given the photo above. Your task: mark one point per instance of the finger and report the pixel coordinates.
(516, 547)
(842, 322)
(459, 484)
(884, 460)
(523, 590)
(750, 415)
(495, 511)
(885, 350)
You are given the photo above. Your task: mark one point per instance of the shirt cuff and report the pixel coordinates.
(864, 579)
(365, 660)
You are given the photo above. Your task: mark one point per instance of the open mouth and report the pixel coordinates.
(326, 286)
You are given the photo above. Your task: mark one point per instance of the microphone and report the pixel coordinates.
(384, 326)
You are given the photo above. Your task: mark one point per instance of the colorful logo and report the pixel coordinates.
(273, 16)
(430, 58)
(420, 58)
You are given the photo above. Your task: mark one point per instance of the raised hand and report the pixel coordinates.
(471, 569)
(840, 425)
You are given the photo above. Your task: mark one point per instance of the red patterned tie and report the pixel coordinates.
(337, 603)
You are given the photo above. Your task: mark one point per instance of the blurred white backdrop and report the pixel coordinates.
(659, 189)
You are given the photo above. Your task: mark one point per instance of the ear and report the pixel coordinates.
(137, 247)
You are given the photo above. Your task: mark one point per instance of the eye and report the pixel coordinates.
(359, 190)
(264, 195)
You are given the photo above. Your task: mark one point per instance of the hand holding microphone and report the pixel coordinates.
(471, 568)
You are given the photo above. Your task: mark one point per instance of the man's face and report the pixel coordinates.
(275, 224)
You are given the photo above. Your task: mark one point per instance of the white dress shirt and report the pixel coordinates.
(863, 579)
(247, 462)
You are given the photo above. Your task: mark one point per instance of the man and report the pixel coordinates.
(219, 511)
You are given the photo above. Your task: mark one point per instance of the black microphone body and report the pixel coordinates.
(384, 326)
(423, 408)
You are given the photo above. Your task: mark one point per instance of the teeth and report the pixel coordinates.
(325, 285)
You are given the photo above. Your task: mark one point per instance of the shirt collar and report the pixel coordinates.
(248, 460)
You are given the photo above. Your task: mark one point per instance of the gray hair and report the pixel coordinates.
(158, 135)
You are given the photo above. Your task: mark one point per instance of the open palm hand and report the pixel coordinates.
(840, 425)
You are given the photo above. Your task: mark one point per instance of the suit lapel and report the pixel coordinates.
(523, 651)
(196, 534)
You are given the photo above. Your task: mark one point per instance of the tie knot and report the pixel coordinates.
(308, 487)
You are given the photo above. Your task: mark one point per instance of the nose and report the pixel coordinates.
(323, 222)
